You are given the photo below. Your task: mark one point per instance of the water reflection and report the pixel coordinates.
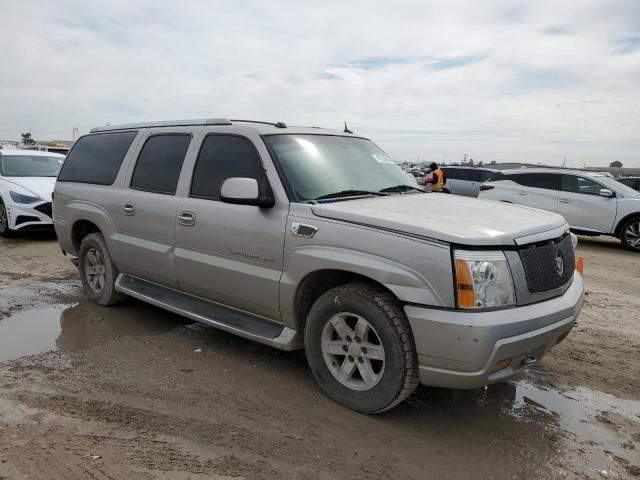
(78, 326)
(86, 324)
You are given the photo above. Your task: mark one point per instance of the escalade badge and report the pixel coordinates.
(559, 263)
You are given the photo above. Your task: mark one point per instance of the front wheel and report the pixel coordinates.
(5, 231)
(360, 348)
(630, 234)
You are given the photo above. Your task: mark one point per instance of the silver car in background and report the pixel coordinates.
(592, 203)
(466, 180)
(316, 239)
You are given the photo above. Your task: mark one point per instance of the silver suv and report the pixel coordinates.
(316, 239)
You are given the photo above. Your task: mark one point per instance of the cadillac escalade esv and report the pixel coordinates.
(316, 239)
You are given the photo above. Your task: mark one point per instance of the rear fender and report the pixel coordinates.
(82, 210)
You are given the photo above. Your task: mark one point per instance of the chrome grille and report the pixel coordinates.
(548, 265)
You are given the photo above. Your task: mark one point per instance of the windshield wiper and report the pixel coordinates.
(349, 193)
(402, 188)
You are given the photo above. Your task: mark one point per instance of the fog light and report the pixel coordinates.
(502, 364)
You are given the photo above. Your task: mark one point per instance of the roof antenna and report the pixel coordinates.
(346, 130)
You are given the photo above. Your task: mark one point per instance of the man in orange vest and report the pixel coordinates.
(437, 179)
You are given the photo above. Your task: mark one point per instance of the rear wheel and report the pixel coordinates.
(97, 271)
(630, 234)
(5, 231)
(360, 348)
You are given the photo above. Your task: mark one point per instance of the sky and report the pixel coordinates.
(518, 81)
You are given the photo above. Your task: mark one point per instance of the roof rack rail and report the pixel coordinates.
(168, 123)
(276, 124)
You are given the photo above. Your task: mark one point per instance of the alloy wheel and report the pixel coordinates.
(4, 222)
(95, 270)
(632, 234)
(352, 351)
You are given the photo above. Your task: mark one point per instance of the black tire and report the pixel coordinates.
(105, 295)
(385, 314)
(633, 225)
(5, 231)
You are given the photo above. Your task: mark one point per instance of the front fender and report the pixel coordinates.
(407, 284)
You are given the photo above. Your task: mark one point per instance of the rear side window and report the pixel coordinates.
(159, 163)
(222, 157)
(497, 176)
(548, 181)
(485, 175)
(473, 175)
(97, 158)
(451, 173)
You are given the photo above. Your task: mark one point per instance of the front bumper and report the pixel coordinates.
(26, 217)
(458, 349)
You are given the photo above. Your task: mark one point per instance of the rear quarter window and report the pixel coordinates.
(97, 158)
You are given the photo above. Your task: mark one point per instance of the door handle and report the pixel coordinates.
(129, 209)
(188, 219)
(564, 200)
(522, 193)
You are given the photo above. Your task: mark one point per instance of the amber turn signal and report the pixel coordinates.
(580, 266)
(464, 285)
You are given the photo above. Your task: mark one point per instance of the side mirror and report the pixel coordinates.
(244, 191)
(605, 192)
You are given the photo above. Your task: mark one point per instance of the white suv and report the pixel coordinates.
(592, 203)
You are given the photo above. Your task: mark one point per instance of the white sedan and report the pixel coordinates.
(27, 178)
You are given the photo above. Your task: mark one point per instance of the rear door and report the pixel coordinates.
(146, 210)
(539, 190)
(583, 207)
(454, 182)
(460, 181)
(500, 187)
(475, 177)
(228, 253)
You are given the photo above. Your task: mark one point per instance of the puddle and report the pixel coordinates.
(79, 326)
(600, 433)
(603, 430)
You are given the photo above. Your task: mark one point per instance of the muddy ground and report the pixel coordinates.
(133, 392)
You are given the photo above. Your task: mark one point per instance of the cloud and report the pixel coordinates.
(555, 30)
(628, 44)
(436, 63)
(432, 79)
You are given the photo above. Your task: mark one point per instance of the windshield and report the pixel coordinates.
(616, 186)
(320, 165)
(30, 166)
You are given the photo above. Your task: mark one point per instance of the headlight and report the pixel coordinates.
(483, 280)
(19, 198)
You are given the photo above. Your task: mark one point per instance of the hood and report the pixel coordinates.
(450, 218)
(40, 186)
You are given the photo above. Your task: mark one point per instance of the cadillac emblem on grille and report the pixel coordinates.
(559, 263)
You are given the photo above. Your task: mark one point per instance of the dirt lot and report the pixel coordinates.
(134, 392)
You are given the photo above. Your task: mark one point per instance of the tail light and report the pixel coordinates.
(484, 187)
